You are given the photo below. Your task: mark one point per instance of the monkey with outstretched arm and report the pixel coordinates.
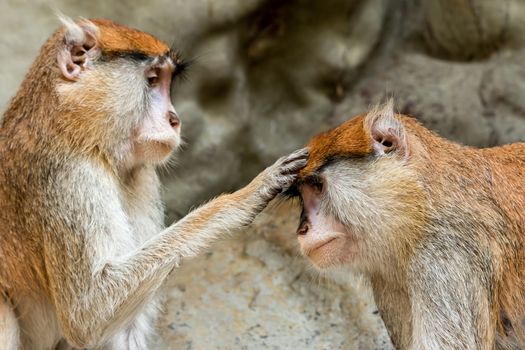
(83, 250)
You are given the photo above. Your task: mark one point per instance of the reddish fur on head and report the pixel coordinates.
(348, 139)
(357, 185)
(116, 38)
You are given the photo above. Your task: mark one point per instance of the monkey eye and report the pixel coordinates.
(153, 77)
(291, 192)
(316, 182)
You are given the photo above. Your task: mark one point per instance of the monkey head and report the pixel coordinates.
(114, 87)
(360, 192)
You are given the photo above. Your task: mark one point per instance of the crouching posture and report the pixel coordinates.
(438, 228)
(82, 247)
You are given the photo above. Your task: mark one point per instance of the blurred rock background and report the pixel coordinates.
(267, 75)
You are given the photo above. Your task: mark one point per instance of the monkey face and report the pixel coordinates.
(331, 231)
(355, 210)
(133, 116)
(323, 238)
(157, 133)
(118, 94)
(360, 193)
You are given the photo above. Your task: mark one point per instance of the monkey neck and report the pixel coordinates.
(130, 176)
(36, 96)
(36, 102)
(393, 304)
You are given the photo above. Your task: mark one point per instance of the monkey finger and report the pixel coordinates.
(293, 167)
(286, 181)
(299, 154)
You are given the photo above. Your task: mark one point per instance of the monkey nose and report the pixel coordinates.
(303, 229)
(173, 119)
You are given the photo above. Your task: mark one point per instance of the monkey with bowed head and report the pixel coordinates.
(438, 228)
(83, 250)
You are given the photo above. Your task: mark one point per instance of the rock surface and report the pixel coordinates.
(267, 75)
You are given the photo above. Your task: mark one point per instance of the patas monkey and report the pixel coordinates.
(82, 246)
(438, 228)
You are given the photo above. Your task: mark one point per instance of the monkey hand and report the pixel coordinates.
(279, 176)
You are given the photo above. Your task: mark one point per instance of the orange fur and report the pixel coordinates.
(118, 38)
(347, 140)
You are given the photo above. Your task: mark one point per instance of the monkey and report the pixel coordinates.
(436, 228)
(83, 249)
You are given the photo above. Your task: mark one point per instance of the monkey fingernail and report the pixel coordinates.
(294, 167)
(297, 155)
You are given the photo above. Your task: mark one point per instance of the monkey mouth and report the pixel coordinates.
(333, 249)
(313, 249)
(156, 150)
(169, 140)
(168, 145)
(325, 254)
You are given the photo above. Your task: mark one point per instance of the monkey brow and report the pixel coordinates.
(138, 56)
(179, 64)
(312, 179)
(291, 192)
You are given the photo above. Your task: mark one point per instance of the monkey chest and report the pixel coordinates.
(145, 216)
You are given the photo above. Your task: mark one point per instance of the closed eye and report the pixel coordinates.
(152, 77)
(315, 181)
(152, 81)
(291, 192)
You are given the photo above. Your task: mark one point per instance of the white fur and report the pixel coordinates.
(362, 194)
(9, 329)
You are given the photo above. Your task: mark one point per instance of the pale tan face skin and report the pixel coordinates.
(158, 134)
(324, 240)
(353, 211)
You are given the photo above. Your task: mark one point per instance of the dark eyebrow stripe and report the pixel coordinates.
(131, 55)
(139, 56)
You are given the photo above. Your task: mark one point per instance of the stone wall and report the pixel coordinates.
(267, 75)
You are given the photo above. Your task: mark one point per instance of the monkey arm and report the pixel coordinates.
(96, 293)
(450, 297)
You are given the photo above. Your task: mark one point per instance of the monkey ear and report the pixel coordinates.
(79, 47)
(387, 132)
